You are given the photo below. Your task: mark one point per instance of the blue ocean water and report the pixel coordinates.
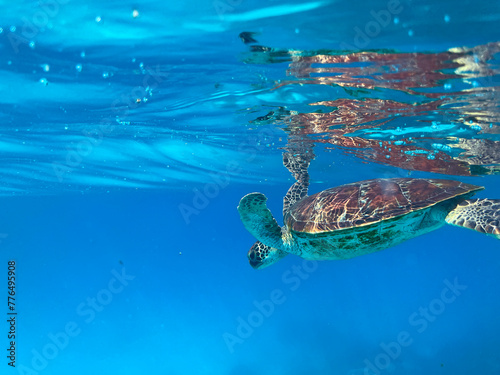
(130, 131)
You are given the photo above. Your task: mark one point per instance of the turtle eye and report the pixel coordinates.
(254, 259)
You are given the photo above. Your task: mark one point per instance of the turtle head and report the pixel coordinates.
(261, 256)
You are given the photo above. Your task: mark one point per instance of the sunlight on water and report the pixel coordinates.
(403, 131)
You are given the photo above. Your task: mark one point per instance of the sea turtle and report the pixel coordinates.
(362, 217)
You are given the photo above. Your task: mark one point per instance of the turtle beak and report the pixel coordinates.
(254, 263)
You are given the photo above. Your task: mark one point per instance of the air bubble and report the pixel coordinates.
(396, 20)
(446, 18)
(105, 75)
(45, 67)
(410, 32)
(98, 19)
(78, 68)
(32, 45)
(44, 81)
(12, 29)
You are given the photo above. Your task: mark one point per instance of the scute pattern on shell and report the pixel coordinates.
(366, 202)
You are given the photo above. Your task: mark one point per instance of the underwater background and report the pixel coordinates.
(130, 131)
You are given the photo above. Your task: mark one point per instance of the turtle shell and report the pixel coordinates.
(367, 202)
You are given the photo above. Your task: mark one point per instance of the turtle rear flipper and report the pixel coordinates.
(482, 215)
(259, 221)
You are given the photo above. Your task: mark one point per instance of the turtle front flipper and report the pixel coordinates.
(259, 221)
(482, 215)
(296, 159)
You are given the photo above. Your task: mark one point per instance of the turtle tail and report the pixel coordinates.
(481, 215)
